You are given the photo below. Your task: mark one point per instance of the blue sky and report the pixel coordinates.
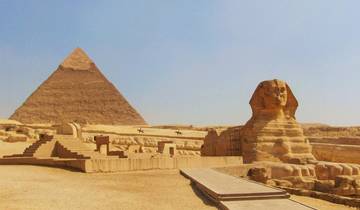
(191, 62)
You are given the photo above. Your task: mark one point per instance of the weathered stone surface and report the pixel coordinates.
(326, 177)
(280, 171)
(329, 170)
(343, 180)
(334, 144)
(222, 143)
(282, 183)
(14, 137)
(325, 186)
(210, 143)
(272, 133)
(77, 91)
(337, 152)
(344, 186)
(301, 182)
(259, 174)
(322, 171)
(356, 184)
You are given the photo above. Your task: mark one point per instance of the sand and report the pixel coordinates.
(35, 187)
(13, 148)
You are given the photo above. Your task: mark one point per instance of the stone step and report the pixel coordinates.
(268, 204)
(232, 193)
(220, 185)
(262, 197)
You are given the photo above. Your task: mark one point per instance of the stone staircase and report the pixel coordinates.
(61, 146)
(31, 150)
(73, 148)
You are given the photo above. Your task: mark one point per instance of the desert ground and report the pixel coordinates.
(35, 187)
(52, 188)
(12, 148)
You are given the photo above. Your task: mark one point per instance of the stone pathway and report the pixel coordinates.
(235, 194)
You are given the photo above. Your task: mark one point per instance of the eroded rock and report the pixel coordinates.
(272, 133)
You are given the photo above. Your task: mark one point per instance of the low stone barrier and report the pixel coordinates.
(128, 164)
(336, 152)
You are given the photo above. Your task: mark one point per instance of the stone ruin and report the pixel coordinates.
(275, 149)
(272, 133)
(225, 143)
(103, 146)
(167, 148)
(67, 149)
(66, 144)
(73, 129)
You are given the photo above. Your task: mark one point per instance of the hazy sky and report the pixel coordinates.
(191, 61)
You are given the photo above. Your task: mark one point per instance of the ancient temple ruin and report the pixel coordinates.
(275, 150)
(65, 144)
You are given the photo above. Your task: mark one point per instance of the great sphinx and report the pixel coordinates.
(272, 133)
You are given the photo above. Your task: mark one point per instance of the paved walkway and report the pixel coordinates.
(271, 204)
(235, 193)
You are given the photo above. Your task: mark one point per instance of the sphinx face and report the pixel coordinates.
(275, 94)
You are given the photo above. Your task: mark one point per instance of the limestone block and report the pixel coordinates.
(258, 174)
(347, 169)
(16, 138)
(325, 186)
(281, 170)
(345, 190)
(335, 170)
(305, 171)
(301, 182)
(356, 184)
(270, 182)
(282, 183)
(3, 133)
(312, 171)
(343, 180)
(355, 169)
(344, 186)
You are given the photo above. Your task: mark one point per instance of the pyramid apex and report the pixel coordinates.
(77, 60)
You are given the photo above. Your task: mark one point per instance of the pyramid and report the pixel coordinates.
(77, 91)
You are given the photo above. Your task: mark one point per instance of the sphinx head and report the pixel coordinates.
(273, 97)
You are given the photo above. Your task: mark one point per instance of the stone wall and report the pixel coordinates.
(159, 163)
(222, 143)
(129, 164)
(149, 144)
(336, 152)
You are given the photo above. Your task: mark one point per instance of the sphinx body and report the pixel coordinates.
(272, 133)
